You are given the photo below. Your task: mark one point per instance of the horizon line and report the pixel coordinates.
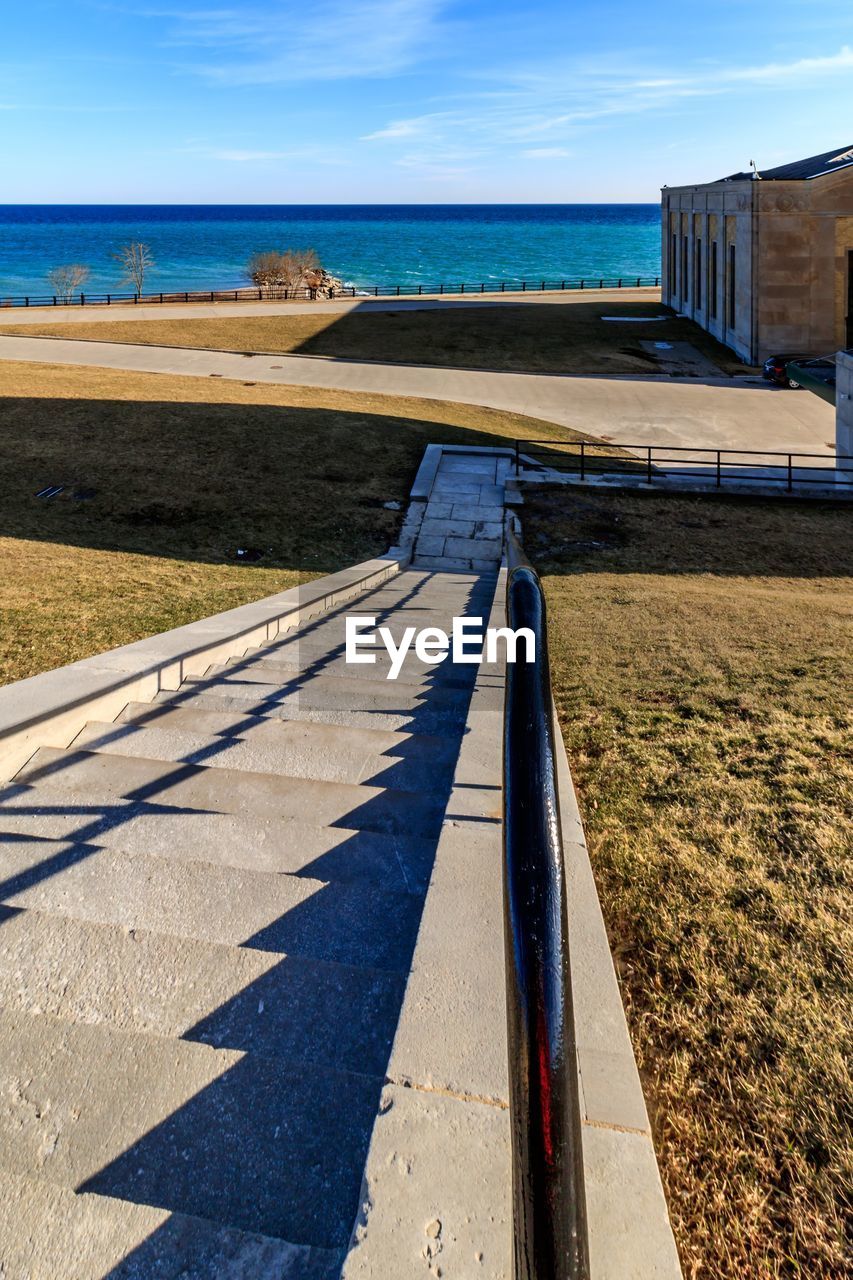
(317, 204)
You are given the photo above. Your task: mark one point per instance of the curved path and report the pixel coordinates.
(728, 413)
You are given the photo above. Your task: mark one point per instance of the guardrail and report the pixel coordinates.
(277, 294)
(549, 1207)
(588, 459)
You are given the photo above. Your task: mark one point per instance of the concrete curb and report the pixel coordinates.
(630, 1235)
(688, 485)
(425, 478)
(50, 709)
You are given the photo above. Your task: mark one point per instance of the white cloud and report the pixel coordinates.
(286, 41)
(404, 128)
(801, 69)
(553, 102)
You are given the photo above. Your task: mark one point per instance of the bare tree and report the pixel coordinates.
(301, 267)
(137, 260)
(64, 280)
(291, 269)
(265, 270)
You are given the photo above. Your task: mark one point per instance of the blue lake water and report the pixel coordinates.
(207, 246)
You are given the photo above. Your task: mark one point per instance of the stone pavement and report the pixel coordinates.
(462, 526)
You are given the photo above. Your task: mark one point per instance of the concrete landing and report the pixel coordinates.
(462, 526)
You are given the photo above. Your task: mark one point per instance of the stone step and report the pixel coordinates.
(440, 561)
(284, 1006)
(291, 749)
(395, 605)
(381, 704)
(417, 584)
(223, 790)
(243, 1140)
(331, 633)
(242, 701)
(370, 925)
(463, 595)
(398, 862)
(172, 714)
(301, 661)
(44, 1226)
(393, 598)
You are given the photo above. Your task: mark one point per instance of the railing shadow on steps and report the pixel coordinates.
(548, 1201)
(303, 1188)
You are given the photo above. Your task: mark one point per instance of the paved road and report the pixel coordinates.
(718, 413)
(24, 316)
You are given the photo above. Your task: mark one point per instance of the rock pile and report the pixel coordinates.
(323, 285)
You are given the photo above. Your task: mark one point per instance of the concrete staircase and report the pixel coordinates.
(208, 912)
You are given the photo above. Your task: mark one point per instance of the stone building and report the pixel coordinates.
(764, 261)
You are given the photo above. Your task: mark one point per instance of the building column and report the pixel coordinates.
(844, 416)
(706, 259)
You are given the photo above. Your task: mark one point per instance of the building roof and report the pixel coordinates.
(801, 170)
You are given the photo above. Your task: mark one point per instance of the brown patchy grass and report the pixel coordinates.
(183, 471)
(569, 336)
(701, 659)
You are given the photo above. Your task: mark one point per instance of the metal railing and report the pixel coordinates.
(587, 458)
(548, 1202)
(249, 294)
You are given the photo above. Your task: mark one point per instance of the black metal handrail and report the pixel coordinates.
(549, 1208)
(247, 293)
(590, 458)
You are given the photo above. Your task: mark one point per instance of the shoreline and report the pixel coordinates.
(331, 291)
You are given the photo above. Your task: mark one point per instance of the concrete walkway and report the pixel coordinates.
(462, 526)
(726, 413)
(339, 306)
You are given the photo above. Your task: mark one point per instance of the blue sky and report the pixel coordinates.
(411, 100)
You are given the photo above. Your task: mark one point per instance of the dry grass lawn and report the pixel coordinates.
(560, 337)
(166, 477)
(701, 658)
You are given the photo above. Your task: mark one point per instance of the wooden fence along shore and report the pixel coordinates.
(279, 294)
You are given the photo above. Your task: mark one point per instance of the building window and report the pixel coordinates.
(697, 276)
(673, 267)
(685, 269)
(732, 287)
(712, 281)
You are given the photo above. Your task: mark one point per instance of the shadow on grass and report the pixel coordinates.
(306, 485)
(569, 531)
(573, 335)
(542, 337)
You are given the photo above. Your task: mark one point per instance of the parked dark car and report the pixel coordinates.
(776, 367)
(815, 375)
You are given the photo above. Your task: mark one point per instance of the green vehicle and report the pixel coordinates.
(815, 375)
